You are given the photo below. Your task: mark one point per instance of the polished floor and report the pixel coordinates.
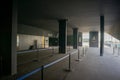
(90, 67)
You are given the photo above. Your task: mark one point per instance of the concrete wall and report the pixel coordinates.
(25, 41)
(93, 41)
(28, 34)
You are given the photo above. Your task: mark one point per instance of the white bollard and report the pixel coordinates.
(118, 51)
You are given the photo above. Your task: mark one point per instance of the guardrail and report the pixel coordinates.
(26, 51)
(48, 65)
(38, 49)
(36, 57)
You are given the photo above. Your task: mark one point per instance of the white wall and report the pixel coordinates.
(26, 40)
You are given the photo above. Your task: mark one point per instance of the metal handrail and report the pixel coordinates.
(44, 66)
(20, 52)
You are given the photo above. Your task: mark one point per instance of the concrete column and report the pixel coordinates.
(75, 38)
(93, 41)
(62, 35)
(101, 35)
(69, 40)
(8, 34)
(14, 38)
(79, 38)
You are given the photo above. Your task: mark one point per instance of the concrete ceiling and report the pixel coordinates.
(84, 14)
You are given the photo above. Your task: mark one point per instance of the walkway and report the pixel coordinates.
(92, 67)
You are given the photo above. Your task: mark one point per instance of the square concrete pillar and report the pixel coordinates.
(8, 34)
(62, 35)
(75, 38)
(101, 35)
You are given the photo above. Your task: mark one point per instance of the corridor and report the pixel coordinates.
(90, 67)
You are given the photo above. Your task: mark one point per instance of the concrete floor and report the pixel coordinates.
(32, 60)
(92, 67)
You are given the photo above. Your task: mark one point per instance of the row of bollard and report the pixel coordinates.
(69, 62)
(81, 55)
(53, 52)
(45, 66)
(114, 51)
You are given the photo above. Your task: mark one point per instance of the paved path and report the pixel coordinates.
(92, 67)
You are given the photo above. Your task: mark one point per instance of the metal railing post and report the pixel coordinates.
(37, 54)
(69, 62)
(42, 72)
(113, 50)
(79, 56)
(48, 65)
(118, 51)
(83, 51)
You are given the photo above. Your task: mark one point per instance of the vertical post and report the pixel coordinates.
(44, 42)
(53, 50)
(102, 35)
(118, 51)
(83, 51)
(78, 55)
(14, 37)
(42, 72)
(8, 34)
(62, 35)
(113, 50)
(75, 38)
(69, 62)
(37, 54)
